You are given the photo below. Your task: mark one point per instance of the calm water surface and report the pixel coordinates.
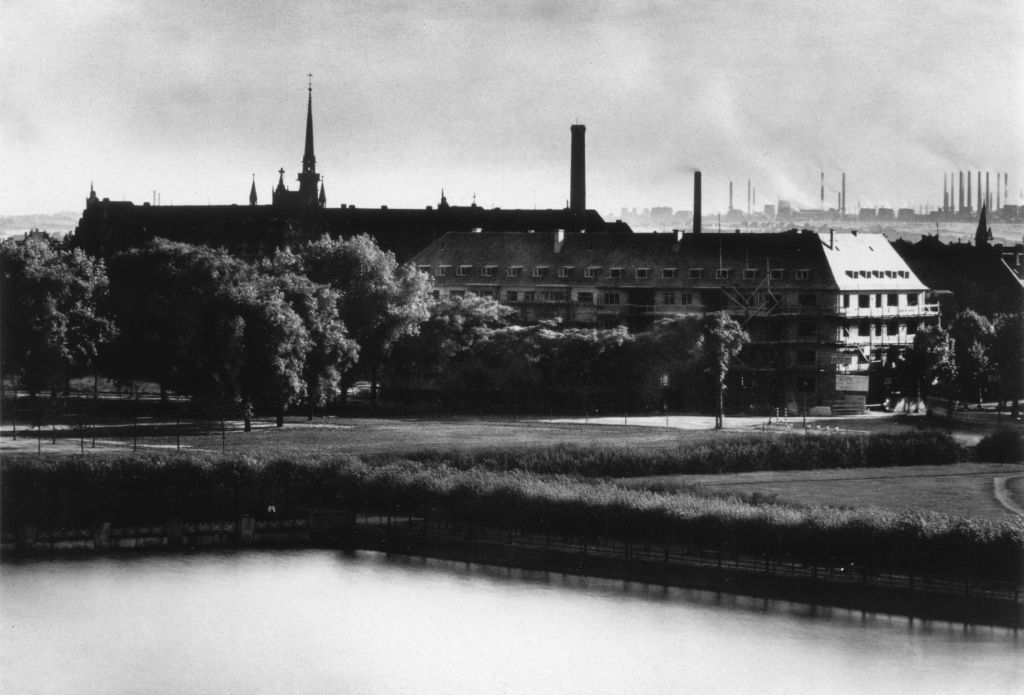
(320, 622)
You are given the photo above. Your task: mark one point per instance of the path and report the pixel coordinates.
(1003, 494)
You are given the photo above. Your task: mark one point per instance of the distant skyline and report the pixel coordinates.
(191, 100)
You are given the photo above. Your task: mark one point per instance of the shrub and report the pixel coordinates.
(1005, 445)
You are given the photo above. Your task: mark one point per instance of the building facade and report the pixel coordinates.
(824, 311)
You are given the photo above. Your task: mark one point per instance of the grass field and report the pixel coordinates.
(964, 489)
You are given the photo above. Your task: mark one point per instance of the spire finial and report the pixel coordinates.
(310, 76)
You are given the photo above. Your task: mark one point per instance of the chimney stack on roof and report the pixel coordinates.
(696, 202)
(578, 174)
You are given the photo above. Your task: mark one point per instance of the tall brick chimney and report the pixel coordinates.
(696, 202)
(578, 173)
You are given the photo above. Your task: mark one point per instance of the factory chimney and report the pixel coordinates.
(988, 194)
(979, 190)
(748, 196)
(970, 188)
(945, 194)
(696, 202)
(842, 210)
(730, 196)
(822, 206)
(578, 174)
(960, 202)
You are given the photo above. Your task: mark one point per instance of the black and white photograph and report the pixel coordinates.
(512, 347)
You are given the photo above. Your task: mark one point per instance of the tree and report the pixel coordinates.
(1007, 349)
(929, 366)
(331, 351)
(972, 336)
(723, 340)
(378, 299)
(53, 312)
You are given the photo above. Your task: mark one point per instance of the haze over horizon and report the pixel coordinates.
(477, 98)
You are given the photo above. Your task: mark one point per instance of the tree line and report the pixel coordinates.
(296, 329)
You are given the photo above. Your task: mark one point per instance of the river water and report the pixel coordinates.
(313, 621)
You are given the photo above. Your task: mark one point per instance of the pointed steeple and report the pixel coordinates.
(983, 234)
(323, 195)
(308, 158)
(252, 191)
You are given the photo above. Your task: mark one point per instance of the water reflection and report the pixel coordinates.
(318, 621)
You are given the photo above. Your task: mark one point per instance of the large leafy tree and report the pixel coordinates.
(929, 367)
(379, 300)
(1008, 354)
(53, 312)
(723, 338)
(972, 336)
(331, 352)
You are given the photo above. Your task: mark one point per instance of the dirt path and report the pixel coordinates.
(1003, 494)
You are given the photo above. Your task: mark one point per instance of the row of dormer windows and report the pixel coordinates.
(878, 273)
(618, 273)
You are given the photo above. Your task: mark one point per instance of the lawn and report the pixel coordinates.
(964, 489)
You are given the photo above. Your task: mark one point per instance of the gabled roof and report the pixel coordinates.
(867, 262)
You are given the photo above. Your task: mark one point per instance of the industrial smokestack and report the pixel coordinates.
(945, 194)
(997, 191)
(988, 194)
(843, 206)
(979, 190)
(970, 188)
(822, 206)
(696, 202)
(960, 202)
(748, 196)
(578, 173)
(730, 196)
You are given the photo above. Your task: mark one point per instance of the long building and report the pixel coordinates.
(823, 310)
(293, 216)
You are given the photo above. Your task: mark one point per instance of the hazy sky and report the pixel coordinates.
(191, 98)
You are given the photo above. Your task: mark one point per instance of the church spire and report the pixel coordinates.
(983, 234)
(308, 159)
(323, 195)
(252, 191)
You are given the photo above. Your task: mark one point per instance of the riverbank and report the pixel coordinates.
(843, 587)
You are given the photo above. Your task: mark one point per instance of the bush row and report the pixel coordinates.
(69, 492)
(736, 454)
(1004, 445)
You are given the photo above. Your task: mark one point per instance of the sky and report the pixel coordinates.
(188, 100)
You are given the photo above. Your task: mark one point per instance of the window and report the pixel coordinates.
(891, 328)
(695, 273)
(463, 270)
(615, 273)
(515, 271)
(668, 298)
(851, 273)
(610, 298)
(489, 271)
(585, 297)
(553, 296)
(750, 273)
(436, 294)
(457, 293)
(911, 300)
(540, 271)
(890, 274)
(846, 301)
(805, 357)
(591, 271)
(777, 273)
(529, 296)
(864, 301)
(864, 329)
(686, 298)
(876, 273)
(486, 294)
(642, 273)
(668, 273)
(864, 273)
(722, 274)
(892, 300)
(904, 273)
(442, 270)
(803, 274)
(565, 271)
(423, 268)
(512, 296)
(806, 300)
(878, 301)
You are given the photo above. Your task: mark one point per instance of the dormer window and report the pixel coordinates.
(463, 270)
(803, 274)
(489, 271)
(695, 273)
(540, 271)
(442, 270)
(750, 273)
(668, 273)
(423, 268)
(777, 273)
(615, 273)
(591, 272)
(515, 271)
(642, 273)
(565, 271)
(722, 274)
